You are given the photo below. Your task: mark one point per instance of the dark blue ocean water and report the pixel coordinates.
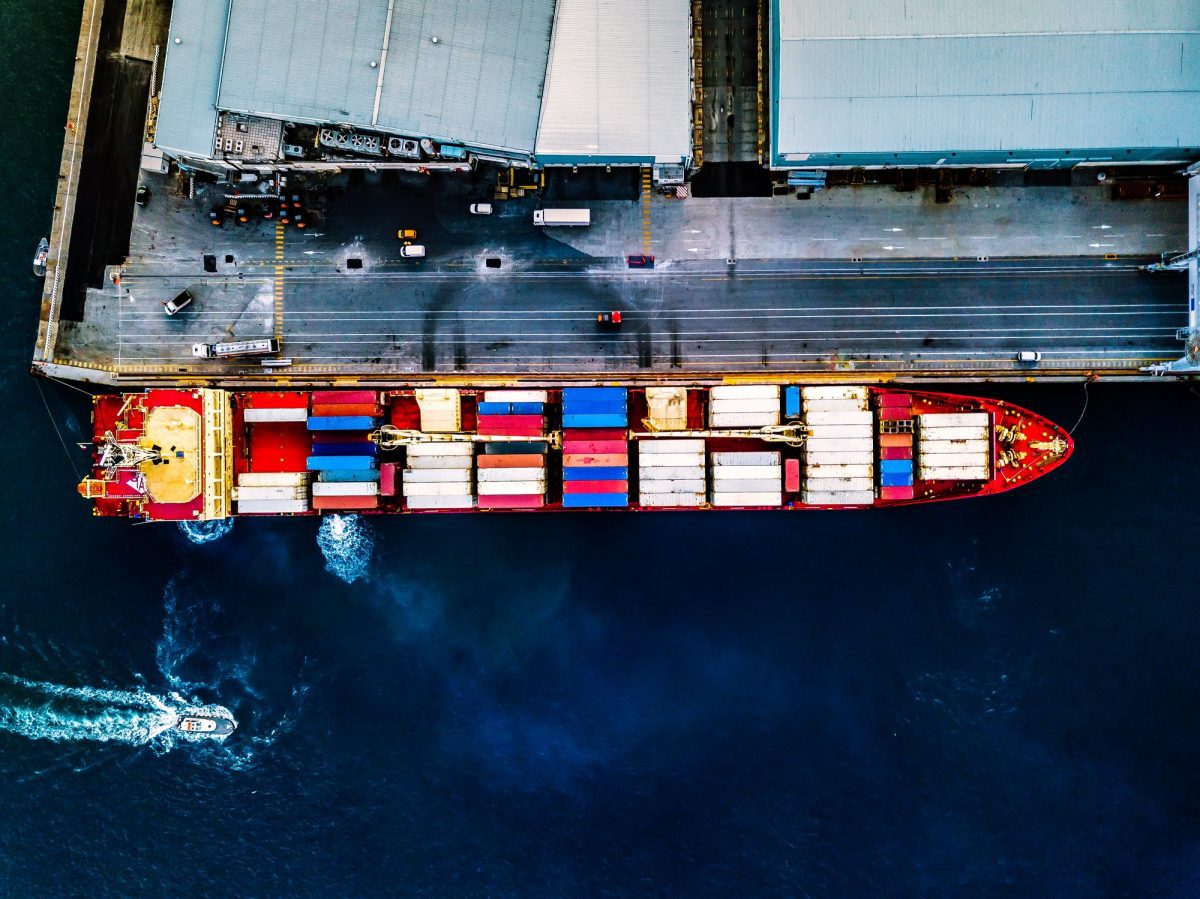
(992, 698)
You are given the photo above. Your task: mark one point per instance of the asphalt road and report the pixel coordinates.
(755, 316)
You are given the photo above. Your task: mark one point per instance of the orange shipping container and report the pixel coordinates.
(603, 460)
(522, 460)
(895, 439)
(370, 409)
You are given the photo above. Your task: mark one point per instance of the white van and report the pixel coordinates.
(412, 251)
(481, 209)
(181, 300)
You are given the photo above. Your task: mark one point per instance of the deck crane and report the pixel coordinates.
(391, 437)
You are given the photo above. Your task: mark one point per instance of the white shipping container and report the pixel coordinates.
(840, 418)
(271, 506)
(352, 488)
(671, 500)
(955, 419)
(422, 463)
(839, 471)
(822, 457)
(273, 478)
(954, 446)
(436, 475)
(970, 433)
(746, 485)
(839, 445)
(745, 392)
(764, 405)
(490, 475)
(954, 473)
(458, 488)
(839, 497)
(440, 448)
(745, 472)
(836, 485)
(839, 432)
(813, 406)
(747, 499)
(255, 415)
(682, 485)
(734, 458)
(512, 488)
(646, 447)
(742, 419)
(516, 396)
(671, 460)
(673, 473)
(834, 393)
(293, 492)
(441, 502)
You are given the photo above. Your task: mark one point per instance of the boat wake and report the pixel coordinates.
(347, 544)
(201, 532)
(45, 711)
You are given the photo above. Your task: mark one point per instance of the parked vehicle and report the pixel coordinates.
(412, 251)
(639, 261)
(143, 195)
(264, 347)
(216, 216)
(407, 234)
(576, 217)
(181, 300)
(609, 319)
(1029, 356)
(481, 209)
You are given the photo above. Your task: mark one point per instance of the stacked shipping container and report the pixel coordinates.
(895, 446)
(595, 447)
(343, 455)
(954, 446)
(438, 476)
(751, 406)
(671, 473)
(839, 454)
(747, 479)
(512, 475)
(273, 492)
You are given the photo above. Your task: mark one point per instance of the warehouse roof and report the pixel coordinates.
(187, 115)
(618, 83)
(896, 76)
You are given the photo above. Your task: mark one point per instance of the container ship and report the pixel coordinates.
(204, 454)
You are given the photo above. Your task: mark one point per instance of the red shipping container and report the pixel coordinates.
(595, 486)
(372, 409)
(521, 460)
(894, 413)
(791, 475)
(895, 439)
(895, 492)
(345, 502)
(387, 479)
(276, 400)
(342, 397)
(573, 434)
(511, 502)
(584, 447)
(895, 399)
(895, 452)
(511, 425)
(603, 460)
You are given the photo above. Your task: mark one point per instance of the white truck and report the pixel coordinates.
(576, 217)
(265, 347)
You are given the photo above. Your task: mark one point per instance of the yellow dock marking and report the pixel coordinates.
(279, 238)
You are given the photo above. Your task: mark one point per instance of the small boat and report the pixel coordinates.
(39, 258)
(204, 724)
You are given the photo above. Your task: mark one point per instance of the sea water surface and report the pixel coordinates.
(990, 698)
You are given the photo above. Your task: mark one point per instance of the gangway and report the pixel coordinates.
(1189, 364)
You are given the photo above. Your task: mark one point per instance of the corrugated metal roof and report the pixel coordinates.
(895, 76)
(187, 111)
(618, 83)
(479, 84)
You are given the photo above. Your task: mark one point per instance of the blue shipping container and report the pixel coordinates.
(511, 408)
(328, 463)
(896, 479)
(596, 473)
(602, 407)
(587, 500)
(896, 466)
(341, 422)
(344, 449)
(570, 394)
(791, 402)
(355, 475)
(611, 420)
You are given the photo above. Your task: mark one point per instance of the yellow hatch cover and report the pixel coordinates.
(176, 430)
